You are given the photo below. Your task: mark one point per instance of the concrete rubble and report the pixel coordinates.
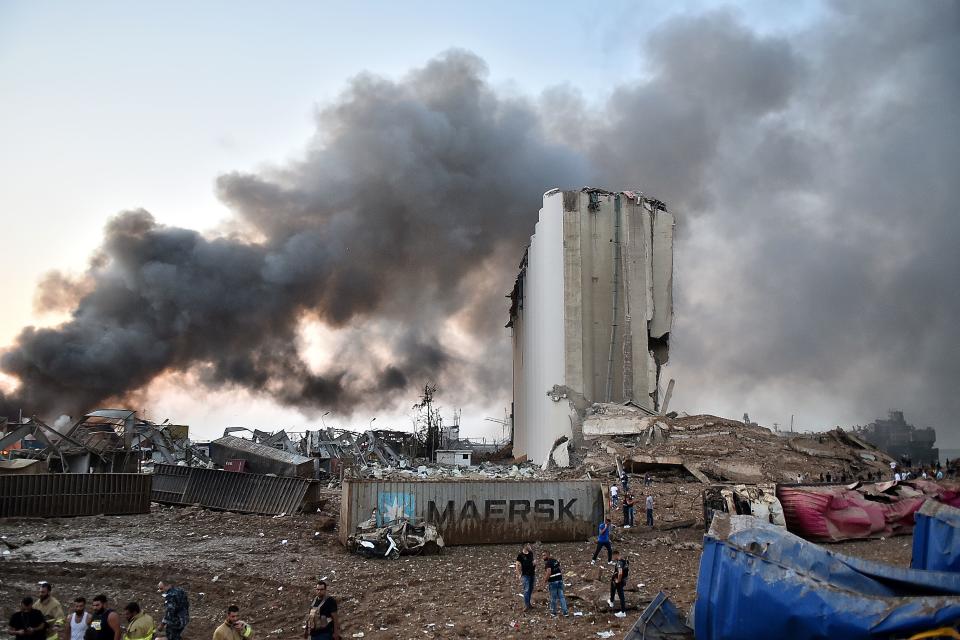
(712, 449)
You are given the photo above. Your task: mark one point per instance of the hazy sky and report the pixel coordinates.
(107, 107)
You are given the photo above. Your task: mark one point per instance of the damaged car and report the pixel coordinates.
(400, 537)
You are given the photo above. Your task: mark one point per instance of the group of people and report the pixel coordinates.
(936, 472)
(526, 568)
(526, 563)
(629, 501)
(43, 618)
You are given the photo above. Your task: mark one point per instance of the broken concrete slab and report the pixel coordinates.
(600, 425)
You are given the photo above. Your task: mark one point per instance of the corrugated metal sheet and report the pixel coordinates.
(480, 511)
(758, 581)
(261, 458)
(936, 538)
(169, 483)
(832, 513)
(53, 495)
(228, 490)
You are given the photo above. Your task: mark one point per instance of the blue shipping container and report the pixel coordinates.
(936, 537)
(757, 580)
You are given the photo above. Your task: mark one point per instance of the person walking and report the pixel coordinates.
(614, 496)
(630, 503)
(553, 576)
(323, 623)
(79, 619)
(233, 628)
(176, 610)
(624, 481)
(649, 505)
(28, 623)
(621, 567)
(51, 609)
(603, 540)
(526, 571)
(139, 625)
(105, 622)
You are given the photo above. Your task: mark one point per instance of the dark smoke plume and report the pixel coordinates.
(814, 173)
(408, 190)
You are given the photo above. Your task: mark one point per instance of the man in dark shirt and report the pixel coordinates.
(628, 502)
(617, 582)
(526, 571)
(553, 576)
(28, 623)
(323, 623)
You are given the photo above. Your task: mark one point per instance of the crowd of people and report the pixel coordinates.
(43, 618)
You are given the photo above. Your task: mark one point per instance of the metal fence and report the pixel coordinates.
(480, 511)
(230, 491)
(54, 495)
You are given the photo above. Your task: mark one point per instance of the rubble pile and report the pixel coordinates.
(712, 449)
(483, 471)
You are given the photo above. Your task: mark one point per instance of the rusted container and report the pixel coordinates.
(230, 490)
(55, 495)
(261, 458)
(480, 511)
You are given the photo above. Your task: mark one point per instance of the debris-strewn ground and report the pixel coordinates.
(467, 592)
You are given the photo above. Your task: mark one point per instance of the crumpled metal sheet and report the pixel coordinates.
(758, 581)
(936, 538)
(832, 513)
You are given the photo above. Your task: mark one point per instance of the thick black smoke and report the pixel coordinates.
(814, 173)
(409, 190)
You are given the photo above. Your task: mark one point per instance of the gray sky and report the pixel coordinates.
(809, 153)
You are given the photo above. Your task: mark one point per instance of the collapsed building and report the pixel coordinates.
(903, 441)
(102, 441)
(591, 311)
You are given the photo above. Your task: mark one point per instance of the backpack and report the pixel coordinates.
(315, 620)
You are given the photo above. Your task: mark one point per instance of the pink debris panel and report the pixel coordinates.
(833, 513)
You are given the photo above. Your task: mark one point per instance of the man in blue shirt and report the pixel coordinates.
(603, 540)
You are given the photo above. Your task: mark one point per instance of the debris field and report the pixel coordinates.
(267, 566)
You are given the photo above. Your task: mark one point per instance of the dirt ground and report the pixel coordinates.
(268, 566)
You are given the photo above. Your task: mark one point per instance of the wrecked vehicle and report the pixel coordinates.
(401, 537)
(759, 501)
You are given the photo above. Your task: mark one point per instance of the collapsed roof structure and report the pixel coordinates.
(102, 441)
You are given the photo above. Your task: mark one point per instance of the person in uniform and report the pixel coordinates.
(621, 568)
(176, 610)
(139, 625)
(233, 628)
(553, 576)
(51, 609)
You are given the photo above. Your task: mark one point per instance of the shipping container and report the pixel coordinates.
(232, 491)
(261, 458)
(480, 511)
(55, 495)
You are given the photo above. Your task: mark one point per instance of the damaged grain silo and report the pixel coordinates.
(591, 311)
